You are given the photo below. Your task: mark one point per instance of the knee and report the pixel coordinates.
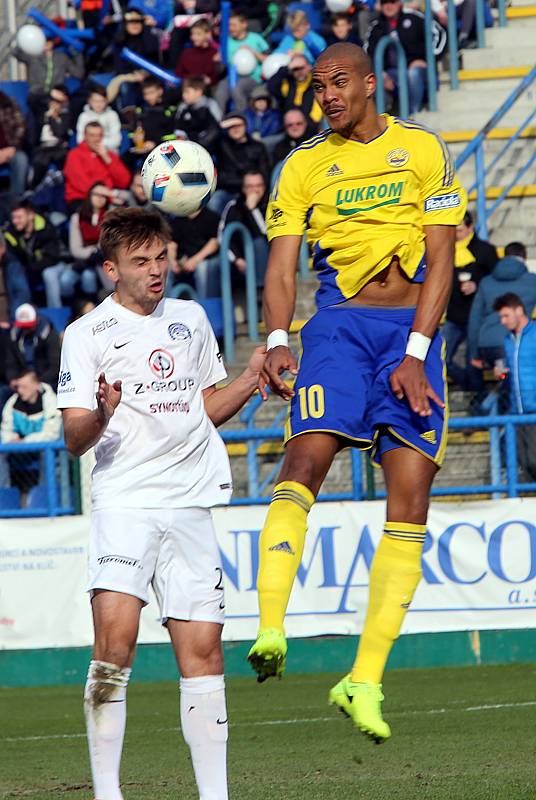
(202, 659)
(114, 651)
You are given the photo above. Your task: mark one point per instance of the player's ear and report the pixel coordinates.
(370, 84)
(110, 270)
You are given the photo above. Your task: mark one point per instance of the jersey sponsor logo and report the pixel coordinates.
(388, 194)
(162, 363)
(429, 436)
(124, 561)
(174, 385)
(104, 325)
(224, 486)
(333, 171)
(442, 202)
(282, 547)
(174, 407)
(179, 331)
(64, 378)
(398, 157)
(277, 217)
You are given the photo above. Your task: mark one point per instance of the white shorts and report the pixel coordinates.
(175, 551)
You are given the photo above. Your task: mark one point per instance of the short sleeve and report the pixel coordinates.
(444, 201)
(78, 370)
(211, 368)
(287, 210)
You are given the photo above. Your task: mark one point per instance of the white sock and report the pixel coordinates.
(105, 707)
(205, 728)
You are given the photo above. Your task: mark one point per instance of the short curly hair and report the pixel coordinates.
(130, 228)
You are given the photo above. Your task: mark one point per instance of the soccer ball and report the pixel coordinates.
(178, 177)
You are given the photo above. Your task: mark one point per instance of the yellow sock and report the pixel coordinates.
(280, 550)
(394, 576)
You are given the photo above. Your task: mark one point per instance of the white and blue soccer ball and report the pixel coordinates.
(178, 177)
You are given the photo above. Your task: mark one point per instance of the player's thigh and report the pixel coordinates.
(116, 618)
(197, 647)
(308, 458)
(408, 479)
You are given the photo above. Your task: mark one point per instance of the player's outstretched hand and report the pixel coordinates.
(409, 380)
(279, 360)
(108, 397)
(255, 366)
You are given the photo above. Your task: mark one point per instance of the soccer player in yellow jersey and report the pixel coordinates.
(380, 202)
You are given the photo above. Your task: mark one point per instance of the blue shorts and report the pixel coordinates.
(342, 387)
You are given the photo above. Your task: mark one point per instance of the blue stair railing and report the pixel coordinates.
(237, 229)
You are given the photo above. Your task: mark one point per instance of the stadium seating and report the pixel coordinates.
(18, 90)
(9, 498)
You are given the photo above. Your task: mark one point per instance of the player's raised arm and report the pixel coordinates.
(82, 428)
(222, 404)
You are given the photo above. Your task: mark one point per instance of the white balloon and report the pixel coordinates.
(274, 63)
(244, 61)
(31, 40)
(336, 6)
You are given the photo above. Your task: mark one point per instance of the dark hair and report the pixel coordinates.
(239, 15)
(130, 228)
(338, 16)
(93, 124)
(96, 89)
(468, 218)
(194, 82)
(60, 87)
(86, 209)
(23, 373)
(254, 172)
(202, 24)
(151, 81)
(509, 300)
(26, 205)
(516, 249)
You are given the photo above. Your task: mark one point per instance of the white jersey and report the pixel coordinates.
(160, 449)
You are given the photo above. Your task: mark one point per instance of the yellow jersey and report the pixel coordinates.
(362, 204)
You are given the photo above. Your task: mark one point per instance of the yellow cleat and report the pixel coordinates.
(268, 654)
(362, 703)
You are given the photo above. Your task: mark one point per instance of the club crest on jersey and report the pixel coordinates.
(398, 157)
(162, 363)
(179, 331)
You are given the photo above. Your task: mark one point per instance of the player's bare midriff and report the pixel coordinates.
(390, 287)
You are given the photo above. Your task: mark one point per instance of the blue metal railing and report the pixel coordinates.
(57, 497)
(500, 484)
(236, 228)
(402, 69)
(476, 148)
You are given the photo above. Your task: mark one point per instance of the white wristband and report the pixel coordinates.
(418, 345)
(277, 338)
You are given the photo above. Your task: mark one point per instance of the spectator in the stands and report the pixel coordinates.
(156, 13)
(193, 252)
(54, 135)
(263, 121)
(203, 57)
(292, 87)
(51, 68)
(79, 307)
(32, 344)
(485, 332)
(91, 162)
(12, 156)
(194, 116)
(30, 415)
(153, 121)
(408, 27)
(473, 260)
(35, 243)
(249, 209)
(140, 38)
(236, 154)
(15, 282)
(300, 38)
(84, 231)
(240, 36)
(297, 130)
(135, 196)
(98, 110)
(341, 30)
(520, 348)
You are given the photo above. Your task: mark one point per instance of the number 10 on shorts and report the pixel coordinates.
(311, 401)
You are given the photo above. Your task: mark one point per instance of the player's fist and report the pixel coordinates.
(279, 360)
(108, 397)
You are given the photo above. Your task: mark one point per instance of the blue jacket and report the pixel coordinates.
(521, 359)
(509, 275)
(311, 45)
(265, 124)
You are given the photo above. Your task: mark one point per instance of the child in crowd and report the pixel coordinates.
(98, 110)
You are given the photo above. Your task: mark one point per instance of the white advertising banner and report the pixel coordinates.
(479, 572)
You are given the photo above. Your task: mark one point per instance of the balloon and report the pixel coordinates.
(244, 61)
(274, 63)
(336, 6)
(31, 40)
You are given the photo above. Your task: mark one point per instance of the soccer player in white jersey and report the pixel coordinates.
(138, 381)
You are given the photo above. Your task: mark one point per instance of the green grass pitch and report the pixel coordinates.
(458, 734)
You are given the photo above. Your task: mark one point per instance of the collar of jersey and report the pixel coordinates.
(126, 312)
(388, 119)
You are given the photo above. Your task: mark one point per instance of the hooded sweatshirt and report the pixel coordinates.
(109, 119)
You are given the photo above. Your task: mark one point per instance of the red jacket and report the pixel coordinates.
(199, 61)
(83, 168)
